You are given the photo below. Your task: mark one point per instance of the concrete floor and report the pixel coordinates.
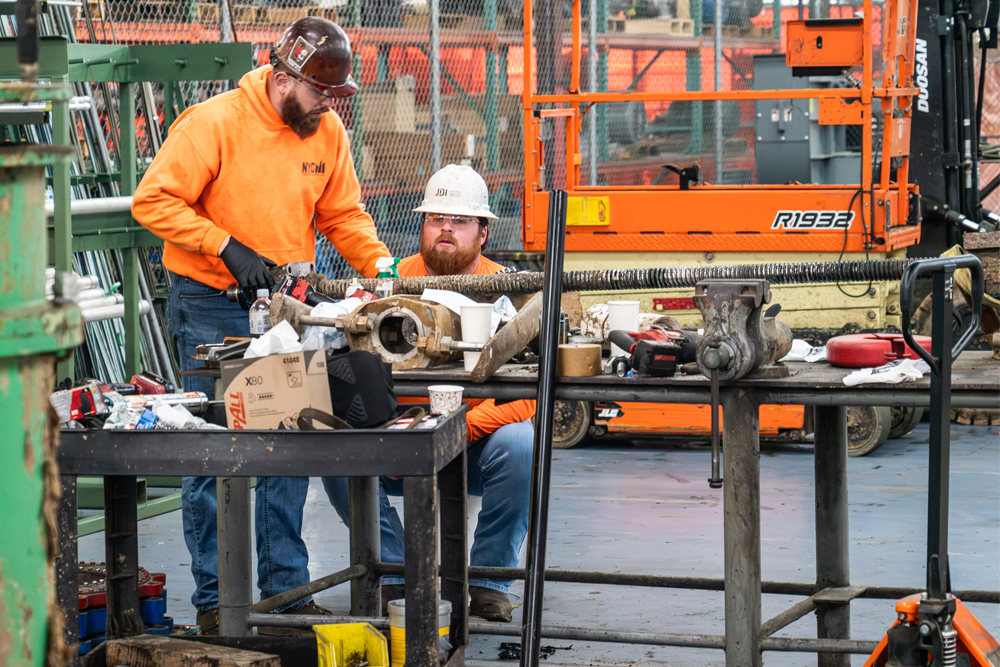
(643, 508)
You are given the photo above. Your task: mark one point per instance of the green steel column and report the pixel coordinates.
(602, 83)
(130, 257)
(63, 238)
(32, 330)
(357, 127)
(502, 82)
(693, 71)
(382, 63)
(776, 20)
(491, 120)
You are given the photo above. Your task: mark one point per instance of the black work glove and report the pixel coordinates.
(249, 268)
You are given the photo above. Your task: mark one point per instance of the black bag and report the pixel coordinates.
(361, 388)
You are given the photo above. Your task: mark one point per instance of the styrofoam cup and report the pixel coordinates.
(623, 315)
(445, 398)
(476, 325)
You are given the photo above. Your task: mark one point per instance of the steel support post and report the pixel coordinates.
(455, 546)
(67, 572)
(717, 62)
(833, 564)
(366, 597)
(602, 84)
(693, 81)
(741, 438)
(776, 18)
(592, 87)
(121, 548)
(435, 67)
(541, 465)
(235, 555)
(420, 554)
(130, 256)
(357, 119)
(63, 236)
(491, 120)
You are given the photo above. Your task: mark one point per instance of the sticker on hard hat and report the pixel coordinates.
(813, 220)
(300, 54)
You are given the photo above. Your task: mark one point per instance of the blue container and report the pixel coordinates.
(153, 610)
(97, 620)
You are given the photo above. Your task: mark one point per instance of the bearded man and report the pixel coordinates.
(242, 183)
(454, 232)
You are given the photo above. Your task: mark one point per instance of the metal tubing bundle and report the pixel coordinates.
(792, 273)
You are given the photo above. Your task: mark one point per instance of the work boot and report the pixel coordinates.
(309, 609)
(391, 592)
(490, 604)
(208, 621)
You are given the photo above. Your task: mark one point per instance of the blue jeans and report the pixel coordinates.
(499, 470)
(201, 314)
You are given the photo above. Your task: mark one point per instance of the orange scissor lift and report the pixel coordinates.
(689, 222)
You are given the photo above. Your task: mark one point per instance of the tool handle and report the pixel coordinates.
(936, 265)
(622, 340)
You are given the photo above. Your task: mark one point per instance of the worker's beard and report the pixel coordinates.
(447, 261)
(302, 122)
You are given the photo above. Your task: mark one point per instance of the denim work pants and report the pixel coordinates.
(500, 472)
(201, 314)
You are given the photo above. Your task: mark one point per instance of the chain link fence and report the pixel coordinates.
(642, 46)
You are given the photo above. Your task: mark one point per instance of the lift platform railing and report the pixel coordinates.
(879, 209)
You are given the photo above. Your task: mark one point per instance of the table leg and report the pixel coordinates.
(833, 566)
(741, 461)
(235, 555)
(455, 547)
(366, 599)
(121, 549)
(421, 571)
(67, 572)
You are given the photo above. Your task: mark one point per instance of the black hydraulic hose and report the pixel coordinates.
(541, 469)
(970, 188)
(981, 92)
(525, 282)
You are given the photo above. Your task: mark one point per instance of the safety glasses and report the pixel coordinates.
(321, 91)
(456, 221)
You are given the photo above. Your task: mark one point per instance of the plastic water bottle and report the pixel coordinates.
(260, 314)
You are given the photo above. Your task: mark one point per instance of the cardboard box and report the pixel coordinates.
(389, 106)
(263, 393)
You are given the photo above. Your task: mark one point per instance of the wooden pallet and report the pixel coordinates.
(740, 32)
(678, 27)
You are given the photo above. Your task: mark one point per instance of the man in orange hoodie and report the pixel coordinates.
(501, 439)
(242, 183)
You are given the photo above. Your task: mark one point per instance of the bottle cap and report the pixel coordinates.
(263, 293)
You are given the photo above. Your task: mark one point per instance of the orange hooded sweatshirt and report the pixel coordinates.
(231, 166)
(484, 416)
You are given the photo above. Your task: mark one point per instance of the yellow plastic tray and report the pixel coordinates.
(340, 643)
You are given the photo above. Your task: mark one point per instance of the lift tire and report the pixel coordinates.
(867, 428)
(904, 419)
(571, 423)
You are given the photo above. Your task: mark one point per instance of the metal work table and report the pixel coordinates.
(975, 383)
(429, 459)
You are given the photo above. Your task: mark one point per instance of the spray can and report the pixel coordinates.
(260, 314)
(386, 272)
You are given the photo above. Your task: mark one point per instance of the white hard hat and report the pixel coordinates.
(456, 190)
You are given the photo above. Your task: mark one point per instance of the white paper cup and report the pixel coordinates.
(445, 398)
(623, 315)
(477, 322)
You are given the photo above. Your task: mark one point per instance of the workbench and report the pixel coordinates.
(429, 460)
(975, 384)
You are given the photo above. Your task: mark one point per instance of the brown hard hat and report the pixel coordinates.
(318, 52)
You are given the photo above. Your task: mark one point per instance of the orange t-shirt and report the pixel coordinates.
(231, 165)
(484, 416)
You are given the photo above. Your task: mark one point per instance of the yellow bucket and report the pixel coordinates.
(343, 644)
(397, 627)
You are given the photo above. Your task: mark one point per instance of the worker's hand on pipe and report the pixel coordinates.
(249, 268)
